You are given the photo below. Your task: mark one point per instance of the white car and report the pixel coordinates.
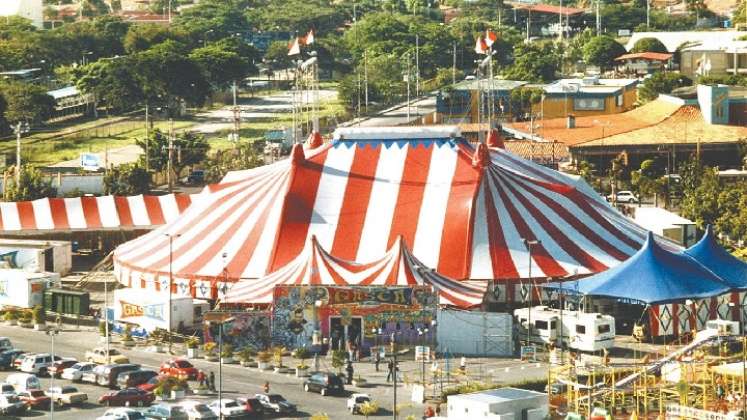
(227, 408)
(624, 197)
(122, 414)
(7, 389)
(75, 372)
(355, 401)
(37, 364)
(196, 410)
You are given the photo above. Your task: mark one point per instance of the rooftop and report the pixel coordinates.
(494, 84)
(589, 85)
(492, 396)
(686, 125)
(653, 56)
(550, 8)
(537, 150)
(589, 128)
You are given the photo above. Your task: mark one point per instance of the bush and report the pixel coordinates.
(39, 315)
(302, 353)
(226, 351)
(661, 83)
(10, 315)
(338, 359)
(246, 354)
(26, 317)
(102, 329)
(193, 342)
(264, 356)
(128, 332)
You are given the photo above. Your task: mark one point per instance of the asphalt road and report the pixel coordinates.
(241, 381)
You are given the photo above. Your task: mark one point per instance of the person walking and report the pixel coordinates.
(201, 378)
(377, 359)
(266, 387)
(211, 381)
(390, 370)
(349, 371)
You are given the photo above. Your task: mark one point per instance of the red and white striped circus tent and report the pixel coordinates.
(315, 266)
(92, 213)
(465, 211)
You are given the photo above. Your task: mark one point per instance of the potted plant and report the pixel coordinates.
(179, 389)
(245, 356)
(302, 369)
(127, 338)
(277, 356)
(26, 319)
(263, 360)
(226, 354)
(369, 408)
(11, 317)
(210, 355)
(193, 344)
(39, 318)
(359, 381)
(338, 360)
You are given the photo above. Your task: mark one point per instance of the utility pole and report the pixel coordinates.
(599, 19)
(365, 77)
(147, 140)
(407, 66)
(171, 153)
(453, 64)
(20, 129)
(52, 333)
(560, 28)
(648, 14)
(529, 24)
(417, 75)
(236, 115)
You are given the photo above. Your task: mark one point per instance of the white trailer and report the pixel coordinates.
(580, 330)
(150, 310)
(36, 256)
(21, 289)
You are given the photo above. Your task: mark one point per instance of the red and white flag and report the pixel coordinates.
(309, 39)
(490, 38)
(295, 47)
(481, 47)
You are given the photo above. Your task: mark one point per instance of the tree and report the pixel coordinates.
(649, 45)
(701, 190)
(128, 179)
(586, 170)
(220, 67)
(297, 15)
(93, 8)
(188, 149)
(243, 156)
(115, 82)
(277, 57)
(523, 98)
(661, 83)
(212, 19)
(142, 37)
(31, 186)
(602, 50)
(26, 102)
(645, 179)
(533, 63)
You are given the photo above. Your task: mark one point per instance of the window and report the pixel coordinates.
(580, 329)
(619, 100)
(540, 325)
(553, 325)
(603, 329)
(588, 104)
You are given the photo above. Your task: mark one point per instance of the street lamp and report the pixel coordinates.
(52, 333)
(171, 237)
(20, 129)
(529, 243)
(220, 361)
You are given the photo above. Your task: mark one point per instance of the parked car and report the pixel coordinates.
(151, 384)
(108, 377)
(166, 412)
(356, 401)
(7, 389)
(135, 378)
(75, 372)
(121, 414)
(180, 368)
(275, 403)
(19, 360)
(624, 197)
(37, 364)
(11, 405)
(198, 411)
(227, 409)
(35, 398)
(127, 397)
(252, 406)
(60, 365)
(98, 355)
(5, 344)
(67, 395)
(324, 383)
(7, 358)
(23, 381)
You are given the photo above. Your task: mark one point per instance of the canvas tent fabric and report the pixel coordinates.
(715, 258)
(81, 213)
(653, 275)
(315, 266)
(463, 210)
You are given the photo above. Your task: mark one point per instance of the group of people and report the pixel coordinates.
(206, 380)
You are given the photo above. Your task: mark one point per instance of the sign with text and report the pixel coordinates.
(131, 310)
(376, 295)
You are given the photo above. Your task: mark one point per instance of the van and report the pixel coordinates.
(135, 378)
(37, 364)
(109, 375)
(23, 381)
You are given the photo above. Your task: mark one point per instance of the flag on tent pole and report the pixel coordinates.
(309, 38)
(294, 47)
(481, 47)
(490, 38)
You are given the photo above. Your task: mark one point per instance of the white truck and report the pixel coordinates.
(22, 289)
(150, 309)
(582, 331)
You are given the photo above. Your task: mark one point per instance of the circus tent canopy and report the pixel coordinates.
(653, 275)
(463, 210)
(398, 267)
(714, 257)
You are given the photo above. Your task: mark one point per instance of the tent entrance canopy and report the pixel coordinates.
(652, 276)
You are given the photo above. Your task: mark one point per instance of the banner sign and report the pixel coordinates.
(131, 310)
(90, 161)
(374, 295)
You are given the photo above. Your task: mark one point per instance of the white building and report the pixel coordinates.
(29, 9)
(499, 404)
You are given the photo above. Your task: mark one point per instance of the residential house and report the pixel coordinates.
(587, 96)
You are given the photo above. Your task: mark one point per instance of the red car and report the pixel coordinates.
(129, 397)
(179, 368)
(151, 384)
(60, 365)
(35, 399)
